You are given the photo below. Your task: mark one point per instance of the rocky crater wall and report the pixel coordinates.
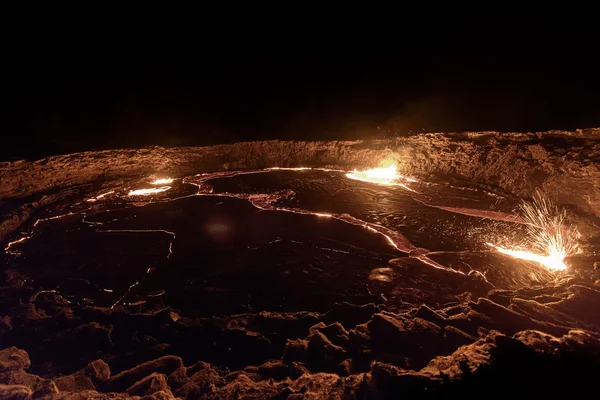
(562, 164)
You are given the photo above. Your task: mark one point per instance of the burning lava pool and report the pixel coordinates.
(274, 240)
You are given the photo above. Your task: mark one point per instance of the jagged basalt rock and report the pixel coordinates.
(12, 359)
(125, 379)
(89, 378)
(151, 384)
(322, 353)
(472, 362)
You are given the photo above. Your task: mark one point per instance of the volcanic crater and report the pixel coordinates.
(365, 269)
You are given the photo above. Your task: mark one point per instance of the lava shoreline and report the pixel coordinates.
(539, 341)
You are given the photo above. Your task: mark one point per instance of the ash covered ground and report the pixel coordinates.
(296, 283)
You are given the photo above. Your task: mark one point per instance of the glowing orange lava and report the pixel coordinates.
(14, 242)
(550, 234)
(289, 168)
(382, 176)
(323, 215)
(554, 261)
(146, 192)
(100, 196)
(162, 181)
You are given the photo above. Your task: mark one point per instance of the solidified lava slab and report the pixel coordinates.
(271, 240)
(274, 283)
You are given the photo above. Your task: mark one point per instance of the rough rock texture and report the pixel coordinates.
(564, 164)
(95, 374)
(534, 342)
(460, 350)
(125, 379)
(13, 359)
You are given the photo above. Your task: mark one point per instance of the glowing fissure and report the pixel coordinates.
(169, 253)
(125, 294)
(304, 169)
(100, 196)
(146, 192)
(265, 202)
(385, 176)
(13, 243)
(55, 217)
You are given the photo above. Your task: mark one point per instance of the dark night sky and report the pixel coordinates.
(68, 89)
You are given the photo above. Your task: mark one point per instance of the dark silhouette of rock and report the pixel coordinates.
(274, 369)
(334, 332)
(322, 353)
(207, 376)
(295, 350)
(89, 378)
(45, 390)
(430, 315)
(350, 315)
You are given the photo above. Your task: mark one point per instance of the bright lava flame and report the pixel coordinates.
(162, 181)
(550, 234)
(146, 192)
(382, 176)
(553, 261)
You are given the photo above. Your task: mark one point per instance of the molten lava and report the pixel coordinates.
(100, 196)
(162, 181)
(382, 176)
(550, 235)
(553, 261)
(146, 192)
(13, 243)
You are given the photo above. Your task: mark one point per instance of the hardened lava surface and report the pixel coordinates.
(289, 283)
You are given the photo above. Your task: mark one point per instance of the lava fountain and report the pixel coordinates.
(551, 237)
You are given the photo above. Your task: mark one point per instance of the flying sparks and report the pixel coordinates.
(550, 235)
(146, 192)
